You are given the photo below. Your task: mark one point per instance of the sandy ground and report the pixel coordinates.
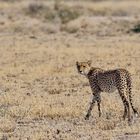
(42, 97)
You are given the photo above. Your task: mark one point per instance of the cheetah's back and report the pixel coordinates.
(108, 80)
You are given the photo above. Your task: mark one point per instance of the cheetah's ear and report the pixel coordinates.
(89, 62)
(77, 63)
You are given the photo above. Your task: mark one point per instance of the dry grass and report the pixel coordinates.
(7, 125)
(41, 94)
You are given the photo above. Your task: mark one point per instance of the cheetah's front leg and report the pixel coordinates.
(90, 108)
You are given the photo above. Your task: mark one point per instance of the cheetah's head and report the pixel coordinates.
(83, 67)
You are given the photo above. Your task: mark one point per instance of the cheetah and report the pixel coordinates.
(108, 81)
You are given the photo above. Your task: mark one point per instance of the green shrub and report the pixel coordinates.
(67, 14)
(34, 8)
(58, 11)
(38, 10)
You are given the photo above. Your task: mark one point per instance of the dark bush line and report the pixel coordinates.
(136, 29)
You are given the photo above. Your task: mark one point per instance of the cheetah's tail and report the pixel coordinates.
(129, 86)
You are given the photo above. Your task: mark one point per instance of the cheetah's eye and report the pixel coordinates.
(84, 66)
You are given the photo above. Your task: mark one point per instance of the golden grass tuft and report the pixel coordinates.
(7, 125)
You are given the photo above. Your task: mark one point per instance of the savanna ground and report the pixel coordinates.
(42, 97)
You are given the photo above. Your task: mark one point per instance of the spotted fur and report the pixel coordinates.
(108, 81)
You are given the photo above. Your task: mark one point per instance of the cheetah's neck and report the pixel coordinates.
(94, 71)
